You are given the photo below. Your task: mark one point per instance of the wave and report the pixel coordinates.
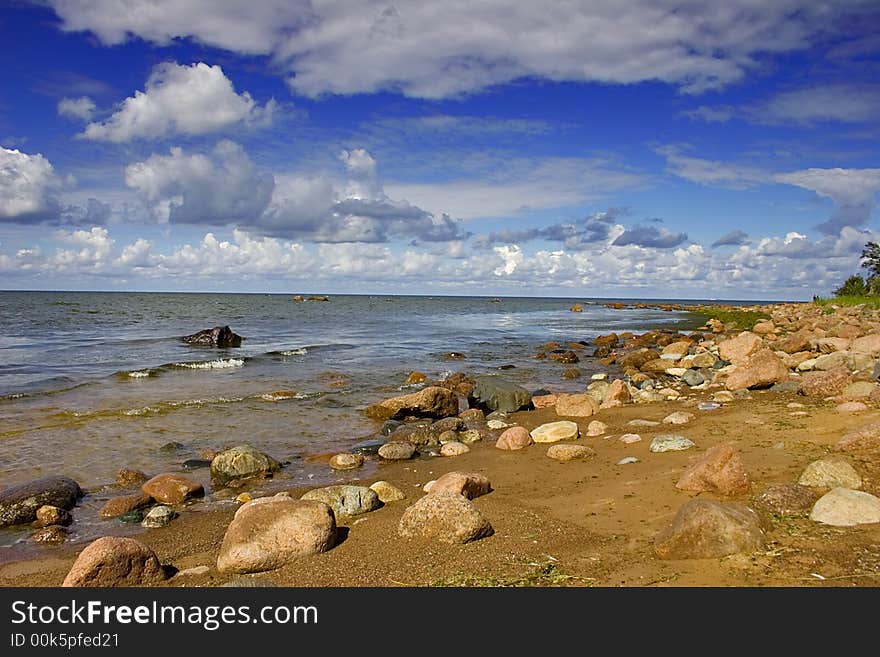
(218, 364)
(302, 351)
(140, 374)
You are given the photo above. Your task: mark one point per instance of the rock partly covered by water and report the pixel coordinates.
(445, 517)
(433, 401)
(705, 529)
(219, 336)
(346, 500)
(346, 461)
(115, 561)
(495, 393)
(171, 488)
(116, 506)
(19, 504)
(397, 451)
(267, 533)
(241, 462)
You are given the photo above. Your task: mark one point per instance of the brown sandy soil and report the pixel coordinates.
(588, 523)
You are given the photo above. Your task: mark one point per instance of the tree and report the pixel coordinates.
(854, 286)
(871, 259)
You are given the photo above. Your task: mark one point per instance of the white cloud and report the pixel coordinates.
(82, 108)
(846, 103)
(28, 187)
(712, 172)
(439, 50)
(187, 100)
(852, 190)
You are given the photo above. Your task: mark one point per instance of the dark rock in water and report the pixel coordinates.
(540, 392)
(693, 378)
(132, 517)
(786, 386)
(367, 447)
(219, 336)
(563, 356)
(452, 355)
(497, 394)
(318, 298)
(51, 535)
(507, 367)
(195, 464)
(170, 448)
(19, 504)
(389, 427)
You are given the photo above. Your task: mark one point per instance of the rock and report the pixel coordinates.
(497, 394)
(724, 396)
(693, 378)
(852, 407)
(739, 349)
(719, 470)
(317, 297)
(859, 389)
(241, 462)
(670, 443)
(762, 369)
(369, 447)
(564, 356)
(764, 327)
(469, 484)
(705, 529)
(219, 336)
(555, 431)
(596, 428)
(576, 405)
(171, 447)
(131, 517)
(128, 477)
(115, 561)
(544, 401)
(117, 506)
(703, 359)
(794, 342)
(268, 534)
(446, 517)
(51, 535)
(170, 488)
(48, 515)
(346, 500)
(469, 436)
(241, 498)
(577, 308)
(564, 453)
(630, 438)
(637, 359)
(452, 355)
(158, 516)
(785, 499)
(831, 361)
(514, 438)
(830, 473)
(626, 460)
(346, 461)
(454, 448)
(571, 373)
(866, 436)
(19, 503)
(830, 345)
(642, 423)
(678, 349)
(415, 377)
(868, 344)
(397, 451)
(825, 384)
(195, 464)
(596, 390)
(843, 507)
(617, 394)
(432, 402)
(786, 387)
(387, 492)
(679, 417)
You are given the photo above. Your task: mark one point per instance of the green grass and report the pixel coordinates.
(742, 320)
(870, 302)
(547, 574)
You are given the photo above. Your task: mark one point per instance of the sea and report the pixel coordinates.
(92, 382)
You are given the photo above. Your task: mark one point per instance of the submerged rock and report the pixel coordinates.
(170, 488)
(19, 504)
(241, 462)
(433, 401)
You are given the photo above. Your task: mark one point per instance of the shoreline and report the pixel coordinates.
(586, 523)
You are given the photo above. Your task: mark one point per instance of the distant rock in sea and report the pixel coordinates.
(219, 336)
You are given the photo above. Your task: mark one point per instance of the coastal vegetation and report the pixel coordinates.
(856, 290)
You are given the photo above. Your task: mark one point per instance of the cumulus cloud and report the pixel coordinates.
(28, 187)
(425, 50)
(82, 108)
(597, 227)
(733, 238)
(184, 100)
(650, 237)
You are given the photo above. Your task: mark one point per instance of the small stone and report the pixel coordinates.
(599, 376)
(51, 535)
(693, 378)
(346, 461)
(555, 431)
(128, 477)
(596, 428)
(52, 515)
(243, 498)
(469, 484)
(397, 451)
(670, 443)
(470, 436)
(843, 507)
(446, 517)
(131, 517)
(158, 516)
(195, 571)
(498, 424)
(387, 492)
(241, 462)
(679, 417)
(415, 377)
(720, 397)
(454, 448)
(170, 488)
(794, 405)
(344, 500)
(115, 561)
(830, 473)
(514, 438)
(564, 453)
(626, 460)
(708, 406)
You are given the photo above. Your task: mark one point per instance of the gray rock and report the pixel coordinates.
(19, 504)
(241, 462)
(397, 451)
(789, 387)
(346, 500)
(498, 394)
(219, 336)
(445, 517)
(367, 447)
(704, 529)
(626, 460)
(666, 442)
(158, 516)
(693, 378)
(843, 507)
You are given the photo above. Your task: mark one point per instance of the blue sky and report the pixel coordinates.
(592, 149)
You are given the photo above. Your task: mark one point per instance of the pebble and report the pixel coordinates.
(630, 438)
(600, 376)
(241, 498)
(498, 424)
(852, 407)
(679, 417)
(159, 516)
(627, 460)
(708, 406)
(346, 461)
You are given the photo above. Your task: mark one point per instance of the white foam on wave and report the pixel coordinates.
(219, 364)
(302, 351)
(140, 374)
(146, 410)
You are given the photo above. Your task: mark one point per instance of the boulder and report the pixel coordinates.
(170, 488)
(346, 461)
(830, 473)
(636, 359)
(387, 492)
(831, 361)
(719, 470)
(495, 393)
(564, 356)
(564, 453)
(432, 402)
(843, 507)
(761, 369)
(616, 395)
(678, 349)
(575, 405)
(705, 529)
(445, 517)
(738, 350)
(702, 359)
(469, 484)
(268, 533)
(514, 438)
(116, 506)
(555, 431)
(51, 535)
(859, 389)
(241, 462)
(830, 345)
(825, 384)
(764, 327)
(868, 344)
(19, 503)
(397, 451)
(793, 343)
(219, 336)
(115, 561)
(670, 443)
(785, 499)
(346, 500)
(866, 436)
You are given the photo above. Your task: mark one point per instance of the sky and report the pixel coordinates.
(604, 148)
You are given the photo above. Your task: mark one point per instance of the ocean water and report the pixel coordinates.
(91, 382)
